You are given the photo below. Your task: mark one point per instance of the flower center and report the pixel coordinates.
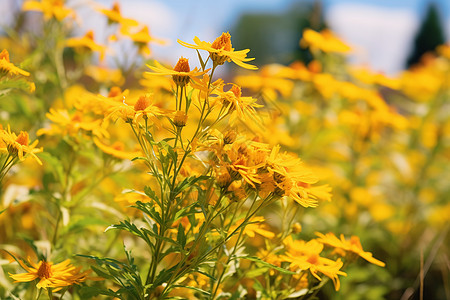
(313, 259)
(222, 42)
(142, 103)
(114, 91)
(236, 91)
(23, 138)
(90, 35)
(182, 65)
(4, 55)
(45, 270)
(116, 7)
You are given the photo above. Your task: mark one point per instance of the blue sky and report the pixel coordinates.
(381, 31)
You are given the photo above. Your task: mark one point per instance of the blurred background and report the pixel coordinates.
(386, 35)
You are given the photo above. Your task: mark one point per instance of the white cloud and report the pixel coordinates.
(381, 37)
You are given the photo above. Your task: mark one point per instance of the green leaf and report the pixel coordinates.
(2, 211)
(266, 264)
(90, 291)
(54, 163)
(202, 63)
(150, 193)
(150, 210)
(181, 236)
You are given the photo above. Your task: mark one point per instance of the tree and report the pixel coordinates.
(429, 36)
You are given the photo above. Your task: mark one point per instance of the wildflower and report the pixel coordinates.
(51, 275)
(114, 16)
(254, 225)
(8, 68)
(268, 82)
(18, 146)
(352, 245)
(142, 108)
(180, 118)
(65, 123)
(181, 73)
(87, 42)
(366, 76)
(239, 107)
(293, 179)
(305, 256)
(141, 38)
(221, 51)
(324, 40)
(117, 150)
(50, 8)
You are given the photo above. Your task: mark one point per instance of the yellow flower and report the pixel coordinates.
(50, 8)
(368, 77)
(294, 180)
(268, 82)
(181, 73)
(8, 68)
(87, 41)
(65, 123)
(352, 245)
(117, 150)
(237, 106)
(221, 50)
(55, 276)
(254, 226)
(114, 16)
(305, 256)
(325, 41)
(141, 38)
(143, 108)
(105, 75)
(18, 146)
(100, 104)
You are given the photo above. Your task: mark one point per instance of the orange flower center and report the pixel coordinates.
(142, 103)
(22, 138)
(182, 65)
(114, 91)
(222, 42)
(45, 270)
(118, 146)
(76, 118)
(236, 91)
(4, 55)
(90, 35)
(116, 7)
(313, 259)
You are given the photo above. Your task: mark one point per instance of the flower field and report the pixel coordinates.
(135, 179)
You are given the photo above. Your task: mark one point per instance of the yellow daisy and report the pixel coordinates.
(50, 8)
(324, 40)
(117, 150)
(55, 276)
(8, 68)
(221, 51)
(114, 16)
(141, 38)
(18, 146)
(87, 41)
(143, 108)
(181, 73)
(352, 245)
